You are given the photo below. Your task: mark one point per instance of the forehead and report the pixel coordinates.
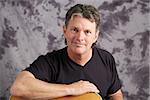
(80, 22)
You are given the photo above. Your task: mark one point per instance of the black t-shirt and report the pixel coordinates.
(57, 67)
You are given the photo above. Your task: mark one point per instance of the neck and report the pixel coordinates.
(80, 59)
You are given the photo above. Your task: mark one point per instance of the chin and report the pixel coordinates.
(79, 50)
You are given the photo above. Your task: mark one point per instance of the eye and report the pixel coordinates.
(74, 30)
(87, 32)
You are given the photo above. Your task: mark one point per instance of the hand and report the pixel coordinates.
(81, 87)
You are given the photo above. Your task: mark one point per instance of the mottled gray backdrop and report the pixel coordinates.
(29, 28)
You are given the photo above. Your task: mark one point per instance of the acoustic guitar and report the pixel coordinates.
(87, 96)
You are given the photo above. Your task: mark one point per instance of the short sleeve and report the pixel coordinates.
(115, 81)
(41, 69)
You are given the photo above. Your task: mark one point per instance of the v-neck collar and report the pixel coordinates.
(84, 66)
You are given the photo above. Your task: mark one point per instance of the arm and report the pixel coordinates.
(27, 86)
(117, 96)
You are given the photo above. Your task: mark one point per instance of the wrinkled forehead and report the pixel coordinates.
(88, 26)
(78, 21)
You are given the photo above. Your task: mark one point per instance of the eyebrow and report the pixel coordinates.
(79, 28)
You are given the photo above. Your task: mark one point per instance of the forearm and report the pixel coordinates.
(27, 86)
(32, 88)
(41, 90)
(117, 96)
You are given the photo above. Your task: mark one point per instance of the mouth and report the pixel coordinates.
(78, 44)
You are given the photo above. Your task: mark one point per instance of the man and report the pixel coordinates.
(76, 69)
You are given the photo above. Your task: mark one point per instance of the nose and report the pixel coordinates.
(80, 36)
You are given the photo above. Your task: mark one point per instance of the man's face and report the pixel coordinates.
(80, 34)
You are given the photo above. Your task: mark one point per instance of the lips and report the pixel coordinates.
(78, 44)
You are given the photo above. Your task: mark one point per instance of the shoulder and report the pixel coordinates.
(102, 52)
(105, 56)
(51, 56)
(55, 57)
(56, 53)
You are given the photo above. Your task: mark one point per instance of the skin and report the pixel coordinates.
(80, 34)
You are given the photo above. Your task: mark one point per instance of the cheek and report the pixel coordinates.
(69, 37)
(90, 42)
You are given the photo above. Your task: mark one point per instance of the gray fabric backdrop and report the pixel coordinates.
(29, 28)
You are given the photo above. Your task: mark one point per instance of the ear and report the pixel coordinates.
(64, 30)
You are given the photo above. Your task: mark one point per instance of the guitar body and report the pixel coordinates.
(87, 96)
